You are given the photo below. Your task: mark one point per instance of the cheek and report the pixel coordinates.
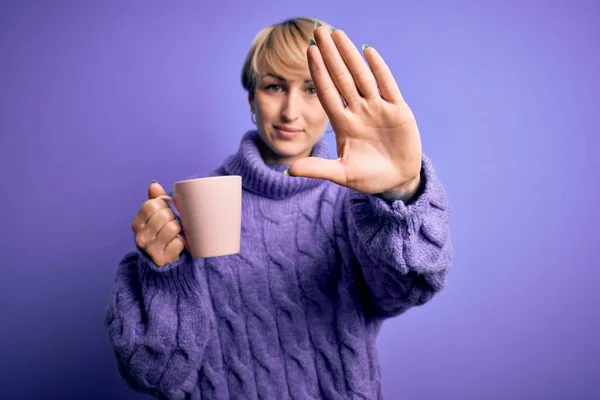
(318, 117)
(264, 110)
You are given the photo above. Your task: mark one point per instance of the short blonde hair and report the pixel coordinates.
(280, 49)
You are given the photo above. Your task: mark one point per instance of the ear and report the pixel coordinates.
(251, 101)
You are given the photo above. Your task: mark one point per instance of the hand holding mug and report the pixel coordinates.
(156, 229)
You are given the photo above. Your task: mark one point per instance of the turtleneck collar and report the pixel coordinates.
(268, 180)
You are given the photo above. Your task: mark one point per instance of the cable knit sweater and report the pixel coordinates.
(296, 313)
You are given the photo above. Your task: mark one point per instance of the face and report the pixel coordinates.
(289, 117)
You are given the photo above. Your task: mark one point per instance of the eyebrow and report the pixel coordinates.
(282, 79)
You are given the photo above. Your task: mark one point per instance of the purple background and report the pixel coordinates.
(98, 99)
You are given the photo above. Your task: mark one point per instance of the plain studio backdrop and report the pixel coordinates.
(99, 98)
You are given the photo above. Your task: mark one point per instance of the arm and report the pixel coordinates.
(404, 250)
(158, 323)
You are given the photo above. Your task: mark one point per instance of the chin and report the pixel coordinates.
(286, 149)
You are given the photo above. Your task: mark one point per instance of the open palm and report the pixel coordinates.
(377, 137)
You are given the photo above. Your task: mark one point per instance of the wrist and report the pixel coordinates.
(405, 192)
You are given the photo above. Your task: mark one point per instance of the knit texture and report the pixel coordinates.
(295, 314)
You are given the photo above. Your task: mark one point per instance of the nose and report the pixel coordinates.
(291, 107)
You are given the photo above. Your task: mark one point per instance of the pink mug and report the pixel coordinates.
(211, 214)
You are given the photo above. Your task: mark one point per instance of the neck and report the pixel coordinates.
(264, 178)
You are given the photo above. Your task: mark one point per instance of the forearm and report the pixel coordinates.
(404, 250)
(158, 323)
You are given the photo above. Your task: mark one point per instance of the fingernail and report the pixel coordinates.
(331, 30)
(364, 46)
(317, 24)
(311, 42)
(153, 182)
(286, 172)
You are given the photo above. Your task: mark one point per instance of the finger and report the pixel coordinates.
(174, 248)
(183, 240)
(359, 69)
(335, 65)
(169, 232)
(169, 253)
(328, 95)
(147, 210)
(155, 190)
(160, 218)
(149, 207)
(138, 223)
(149, 231)
(319, 168)
(385, 79)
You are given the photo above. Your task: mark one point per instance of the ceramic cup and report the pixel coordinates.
(211, 214)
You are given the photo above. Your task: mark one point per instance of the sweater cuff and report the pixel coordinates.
(177, 276)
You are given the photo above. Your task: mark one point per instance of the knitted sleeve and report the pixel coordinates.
(404, 251)
(158, 322)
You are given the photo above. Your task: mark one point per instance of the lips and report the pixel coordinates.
(287, 132)
(287, 128)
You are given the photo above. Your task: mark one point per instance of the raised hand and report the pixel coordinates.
(377, 137)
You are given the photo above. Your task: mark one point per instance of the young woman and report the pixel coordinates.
(330, 247)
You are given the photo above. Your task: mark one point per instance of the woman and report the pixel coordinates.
(330, 247)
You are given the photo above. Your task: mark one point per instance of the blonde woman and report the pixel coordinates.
(331, 247)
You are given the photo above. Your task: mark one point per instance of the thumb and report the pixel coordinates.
(319, 168)
(155, 190)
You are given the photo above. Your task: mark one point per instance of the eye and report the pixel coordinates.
(273, 88)
(312, 91)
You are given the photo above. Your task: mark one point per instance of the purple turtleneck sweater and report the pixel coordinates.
(296, 313)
